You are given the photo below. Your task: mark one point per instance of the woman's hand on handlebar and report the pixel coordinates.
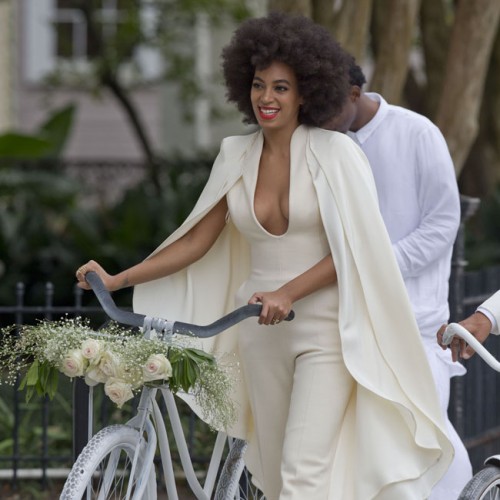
(276, 306)
(92, 265)
(477, 324)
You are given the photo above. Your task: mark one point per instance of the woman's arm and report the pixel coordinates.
(176, 256)
(276, 305)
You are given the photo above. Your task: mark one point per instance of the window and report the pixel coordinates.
(73, 37)
(56, 31)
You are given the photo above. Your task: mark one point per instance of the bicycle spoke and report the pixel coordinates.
(247, 490)
(112, 478)
(485, 485)
(493, 492)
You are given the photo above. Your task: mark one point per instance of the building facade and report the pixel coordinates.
(43, 36)
(7, 65)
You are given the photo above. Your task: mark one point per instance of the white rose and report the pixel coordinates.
(94, 375)
(91, 349)
(110, 364)
(74, 364)
(157, 367)
(118, 391)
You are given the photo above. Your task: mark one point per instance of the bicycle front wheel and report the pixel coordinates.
(485, 485)
(105, 470)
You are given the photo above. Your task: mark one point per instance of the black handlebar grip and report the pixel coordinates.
(108, 304)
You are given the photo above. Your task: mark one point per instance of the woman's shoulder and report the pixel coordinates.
(322, 140)
(338, 154)
(322, 136)
(239, 141)
(233, 150)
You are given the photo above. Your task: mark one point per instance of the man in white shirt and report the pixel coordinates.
(484, 321)
(419, 202)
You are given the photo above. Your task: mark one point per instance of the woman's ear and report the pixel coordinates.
(355, 93)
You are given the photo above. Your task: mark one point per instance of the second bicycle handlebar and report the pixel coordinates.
(136, 319)
(456, 329)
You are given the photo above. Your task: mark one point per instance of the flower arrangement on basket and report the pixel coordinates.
(114, 356)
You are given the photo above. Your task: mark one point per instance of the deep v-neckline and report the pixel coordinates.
(255, 179)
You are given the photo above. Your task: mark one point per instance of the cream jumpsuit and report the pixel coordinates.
(295, 375)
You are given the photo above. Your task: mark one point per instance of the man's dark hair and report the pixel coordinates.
(356, 75)
(320, 65)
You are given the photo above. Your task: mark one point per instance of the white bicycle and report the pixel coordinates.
(118, 462)
(485, 484)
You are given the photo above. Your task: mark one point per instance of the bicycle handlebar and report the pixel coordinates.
(136, 319)
(455, 329)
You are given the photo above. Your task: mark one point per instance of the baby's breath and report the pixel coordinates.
(212, 393)
(120, 359)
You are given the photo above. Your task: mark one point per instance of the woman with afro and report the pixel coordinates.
(339, 403)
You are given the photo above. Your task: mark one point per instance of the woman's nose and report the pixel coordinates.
(266, 96)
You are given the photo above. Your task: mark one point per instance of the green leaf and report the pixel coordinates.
(43, 373)
(57, 128)
(14, 145)
(29, 393)
(199, 355)
(53, 382)
(32, 374)
(42, 378)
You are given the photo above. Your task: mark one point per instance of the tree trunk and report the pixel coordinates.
(292, 6)
(322, 13)
(394, 30)
(435, 32)
(470, 48)
(481, 173)
(349, 26)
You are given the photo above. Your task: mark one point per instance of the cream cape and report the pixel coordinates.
(393, 434)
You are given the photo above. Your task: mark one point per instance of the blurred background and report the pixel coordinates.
(112, 111)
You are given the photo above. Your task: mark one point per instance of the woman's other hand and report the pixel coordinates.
(276, 306)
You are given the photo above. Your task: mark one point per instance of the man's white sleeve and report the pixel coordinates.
(491, 309)
(439, 202)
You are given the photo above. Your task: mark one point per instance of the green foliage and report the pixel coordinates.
(57, 128)
(36, 202)
(30, 424)
(186, 368)
(41, 378)
(47, 229)
(47, 142)
(13, 145)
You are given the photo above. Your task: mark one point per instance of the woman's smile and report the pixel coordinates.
(267, 113)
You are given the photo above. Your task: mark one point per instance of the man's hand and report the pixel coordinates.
(477, 324)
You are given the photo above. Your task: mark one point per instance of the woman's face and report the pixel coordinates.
(275, 97)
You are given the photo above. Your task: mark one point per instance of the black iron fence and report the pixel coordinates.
(474, 407)
(475, 399)
(32, 432)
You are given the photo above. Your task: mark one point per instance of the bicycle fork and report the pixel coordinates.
(146, 447)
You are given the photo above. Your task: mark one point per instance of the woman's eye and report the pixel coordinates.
(256, 85)
(281, 89)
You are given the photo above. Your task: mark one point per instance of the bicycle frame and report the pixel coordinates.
(150, 422)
